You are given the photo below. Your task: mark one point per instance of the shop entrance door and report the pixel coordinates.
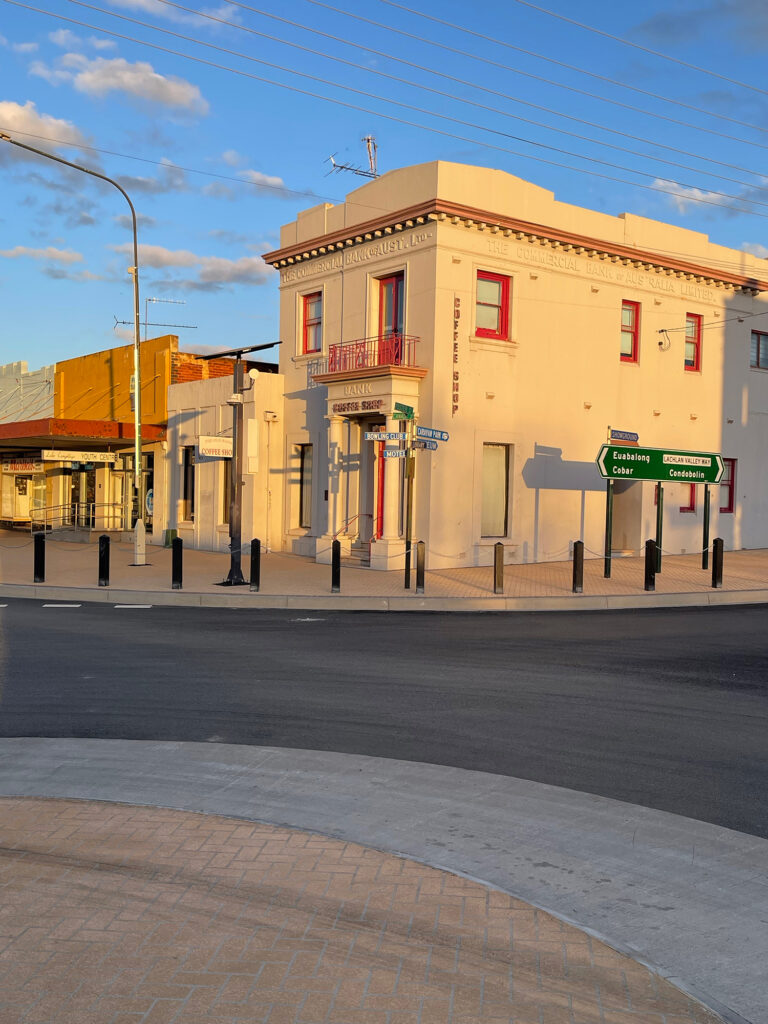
(371, 498)
(83, 497)
(23, 497)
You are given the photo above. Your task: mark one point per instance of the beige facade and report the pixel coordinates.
(509, 337)
(198, 463)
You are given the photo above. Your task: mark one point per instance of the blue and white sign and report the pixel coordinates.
(375, 435)
(394, 453)
(430, 446)
(627, 436)
(432, 433)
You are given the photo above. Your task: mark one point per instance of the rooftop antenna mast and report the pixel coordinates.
(150, 323)
(372, 172)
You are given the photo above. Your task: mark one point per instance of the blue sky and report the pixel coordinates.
(217, 158)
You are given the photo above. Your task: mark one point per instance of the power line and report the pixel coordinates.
(475, 85)
(635, 46)
(389, 117)
(369, 95)
(570, 67)
(439, 92)
(540, 78)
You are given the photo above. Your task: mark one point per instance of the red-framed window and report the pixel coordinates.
(689, 498)
(492, 306)
(728, 486)
(692, 342)
(312, 322)
(758, 351)
(630, 331)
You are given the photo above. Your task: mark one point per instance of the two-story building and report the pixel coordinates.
(522, 328)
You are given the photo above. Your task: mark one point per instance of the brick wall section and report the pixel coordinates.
(185, 367)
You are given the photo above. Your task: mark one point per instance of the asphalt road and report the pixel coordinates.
(668, 709)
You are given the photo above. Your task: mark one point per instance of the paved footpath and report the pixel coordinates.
(114, 914)
(288, 581)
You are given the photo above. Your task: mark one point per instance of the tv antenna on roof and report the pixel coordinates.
(372, 172)
(149, 323)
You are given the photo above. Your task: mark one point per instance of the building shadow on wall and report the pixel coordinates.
(549, 471)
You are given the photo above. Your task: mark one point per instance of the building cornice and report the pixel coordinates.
(441, 211)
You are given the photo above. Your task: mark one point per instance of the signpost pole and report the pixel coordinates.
(608, 528)
(410, 469)
(659, 522)
(705, 533)
(235, 576)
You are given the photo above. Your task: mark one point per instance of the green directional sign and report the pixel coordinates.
(625, 462)
(406, 409)
(398, 415)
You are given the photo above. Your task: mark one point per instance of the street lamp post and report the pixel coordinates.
(235, 576)
(139, 556)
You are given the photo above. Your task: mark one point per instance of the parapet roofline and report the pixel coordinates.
(92, 431)
(439, 210)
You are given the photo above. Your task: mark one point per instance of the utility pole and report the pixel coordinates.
(235, 576)
(139, 556)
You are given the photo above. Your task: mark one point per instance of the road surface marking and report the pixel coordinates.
(62, 606)
(133, 606)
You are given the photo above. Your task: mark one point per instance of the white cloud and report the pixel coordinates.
(231, 157)
(266, 182)
(27, 121)
(65, 38)
(24, 47)
(68, 40)
(683, 197)
(218, 190)
(170, 179)
(212, 272)
(142, 221)
(99, 76)
(755, 249)
(50, 254)
(172, 14)
(3, 40)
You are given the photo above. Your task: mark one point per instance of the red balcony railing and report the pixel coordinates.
(364, 353)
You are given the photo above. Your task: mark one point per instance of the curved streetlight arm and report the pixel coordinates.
(134, 271)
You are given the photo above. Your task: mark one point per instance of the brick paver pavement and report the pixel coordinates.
(112, 914)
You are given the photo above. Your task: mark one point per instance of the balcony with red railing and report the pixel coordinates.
(367, 353)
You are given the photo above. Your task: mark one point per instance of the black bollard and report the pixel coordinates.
(255, 564)
(650, 565)
(498, 568)
(104, 560)
(177, 547)
(421, 557)
(39, 568)
(717, 562)
(578, 567)
(336, 567)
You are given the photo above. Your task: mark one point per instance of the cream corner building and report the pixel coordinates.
(524, 328)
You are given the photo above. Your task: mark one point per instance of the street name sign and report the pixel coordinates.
(404, 408)
(397, 415)
(395, 453)
(432, 433)
(375, 435)
(619, 462)
(625, 436)
(431, 446)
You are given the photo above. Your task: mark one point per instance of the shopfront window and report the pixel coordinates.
(188, 484)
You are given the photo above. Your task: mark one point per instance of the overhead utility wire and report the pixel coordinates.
(636, 46)
(537, 78)
(439, 92)
(482, 88)
(571, 67)
(381, 114)
(399, 103)
(473, 85)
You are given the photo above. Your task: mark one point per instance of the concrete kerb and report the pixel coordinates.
(370, 603)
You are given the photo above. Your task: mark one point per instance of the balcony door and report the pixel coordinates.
(391, 319)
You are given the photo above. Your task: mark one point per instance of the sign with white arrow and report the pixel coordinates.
(432, 434)
(621, 462)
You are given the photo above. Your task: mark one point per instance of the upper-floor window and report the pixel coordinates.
(492, 306)
(728, 486)
(391, 305)
(630, 331)
(312, 322)
(692, 341)
(758, 351)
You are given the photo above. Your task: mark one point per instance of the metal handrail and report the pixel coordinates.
(391, 349)
(78, 514)
(351, 520)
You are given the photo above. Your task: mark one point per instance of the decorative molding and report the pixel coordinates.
(441, 211)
